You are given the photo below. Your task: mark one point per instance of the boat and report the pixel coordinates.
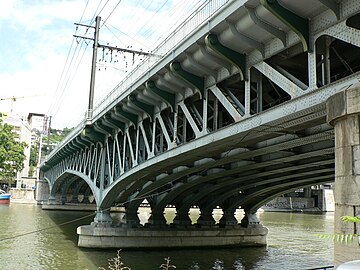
(4, 197)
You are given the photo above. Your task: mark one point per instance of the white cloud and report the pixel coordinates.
(38, 35)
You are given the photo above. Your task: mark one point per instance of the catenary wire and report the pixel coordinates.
(66, 68)
(112, 12)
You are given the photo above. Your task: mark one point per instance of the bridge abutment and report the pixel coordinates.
(343, 112)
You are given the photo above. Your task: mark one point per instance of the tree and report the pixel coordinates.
(11, 153)
(344, 238)
(49, 141)
(33, 159)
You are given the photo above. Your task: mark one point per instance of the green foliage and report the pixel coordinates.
(340, 238)
(11, 153)
(54, 138)
(343, 238)
(33, 155)
(350, 219)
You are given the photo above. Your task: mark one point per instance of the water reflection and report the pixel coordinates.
(291, 245)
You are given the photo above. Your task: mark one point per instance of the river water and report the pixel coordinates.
(31, 238)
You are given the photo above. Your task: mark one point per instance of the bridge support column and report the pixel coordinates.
(63, 198)
(182, 219)
(343, 112)
(42, 191)
(157, 219)
(103, 218)
(52, 200)
(206, 219)
(250, 219)
(131, 218)
(228, 219)
(74, 199)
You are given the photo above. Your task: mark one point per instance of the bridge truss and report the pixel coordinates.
(232, 116)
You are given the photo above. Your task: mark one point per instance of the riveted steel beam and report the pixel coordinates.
(148, 109)
(201, 67)
(226, 103)
(118, 110)
(249, 41)
(296, 23)
(99, 127)
(194, 80)
(107, 124)
(115, 120)
(68, 149)
(93, 135)
(76, 146)
(164, 95)
(267, 27)
(83, 141)
(235, 58)
(333, 5)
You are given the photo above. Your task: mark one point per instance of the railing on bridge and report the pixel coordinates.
(200, 16)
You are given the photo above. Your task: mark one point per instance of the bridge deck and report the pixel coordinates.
(232, 114)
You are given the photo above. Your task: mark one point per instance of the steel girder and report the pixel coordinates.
(170, 135)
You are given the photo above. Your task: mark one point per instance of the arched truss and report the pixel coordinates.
(232, 119)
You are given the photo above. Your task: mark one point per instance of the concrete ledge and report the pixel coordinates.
(70, 207)
(78, 207)
(91, 236)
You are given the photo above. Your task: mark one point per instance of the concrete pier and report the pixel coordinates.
(343, 111)
(94, 236)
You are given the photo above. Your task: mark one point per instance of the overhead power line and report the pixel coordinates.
(96, 45)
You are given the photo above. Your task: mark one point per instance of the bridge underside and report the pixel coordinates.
(230, 118)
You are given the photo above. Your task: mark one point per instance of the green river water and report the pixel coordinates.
(31, 238)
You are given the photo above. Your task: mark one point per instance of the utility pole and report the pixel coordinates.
(96, 45)
(48, 138)
(93, 64)
(93, 67)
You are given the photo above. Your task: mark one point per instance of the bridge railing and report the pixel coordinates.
(200, 16)
(197, 18)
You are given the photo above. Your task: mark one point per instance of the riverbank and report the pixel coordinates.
(23, 201)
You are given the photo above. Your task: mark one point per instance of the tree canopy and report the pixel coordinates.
(11, 152)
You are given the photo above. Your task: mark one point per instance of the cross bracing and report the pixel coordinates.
(232, 116)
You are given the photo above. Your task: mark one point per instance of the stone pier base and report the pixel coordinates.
(92, 236)
(343, 112)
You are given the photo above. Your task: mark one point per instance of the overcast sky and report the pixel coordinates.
(47, 70)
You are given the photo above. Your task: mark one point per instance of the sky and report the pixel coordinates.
(47, 70)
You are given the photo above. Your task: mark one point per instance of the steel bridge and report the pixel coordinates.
(231, 112)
